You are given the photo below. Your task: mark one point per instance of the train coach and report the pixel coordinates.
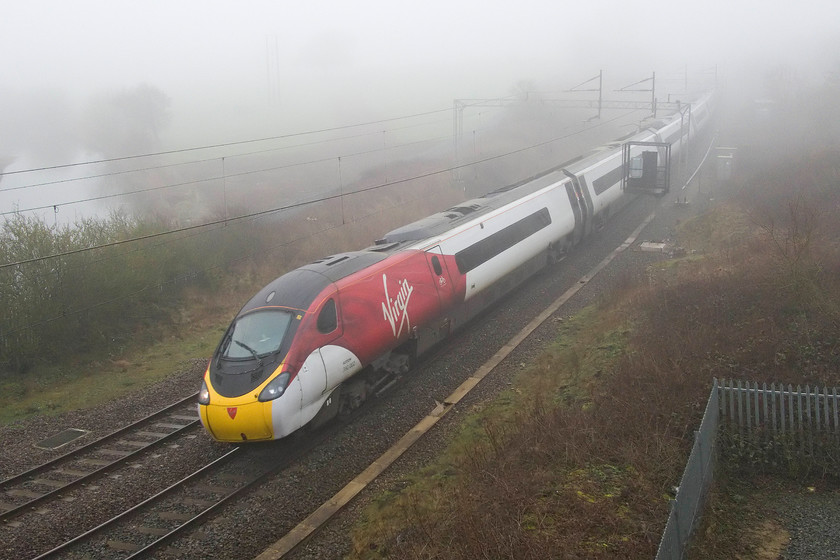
(322, 338)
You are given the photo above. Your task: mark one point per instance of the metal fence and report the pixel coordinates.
(800, 416)
(749, 407)
(694, 484)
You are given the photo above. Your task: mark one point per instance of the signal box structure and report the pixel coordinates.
(648, 171)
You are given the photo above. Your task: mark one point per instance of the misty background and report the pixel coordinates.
(87, 81)
(162, 160)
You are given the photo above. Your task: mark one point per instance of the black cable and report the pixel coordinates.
(160, 285)
(286, 243)
(93, 199)
(197, 233)
(223, 145)
(308, 202)
(196, 161)
(216, 178)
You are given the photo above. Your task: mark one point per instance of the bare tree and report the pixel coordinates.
(127, 122)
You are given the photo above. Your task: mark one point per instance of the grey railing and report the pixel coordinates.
(694, 484)
(780, 410)
(749, 411)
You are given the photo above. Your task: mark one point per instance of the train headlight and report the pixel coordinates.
(203, 394)
(275, 388)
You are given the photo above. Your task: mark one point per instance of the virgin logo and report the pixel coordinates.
(396, 310)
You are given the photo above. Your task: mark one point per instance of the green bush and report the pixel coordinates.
(94, 300)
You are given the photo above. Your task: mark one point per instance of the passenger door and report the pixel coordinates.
(444, 286)
(581, 195)
(315, 376)
(440, 274)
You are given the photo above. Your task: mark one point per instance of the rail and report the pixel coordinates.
(59, 479)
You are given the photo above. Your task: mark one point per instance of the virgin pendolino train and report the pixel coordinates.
(321, 338)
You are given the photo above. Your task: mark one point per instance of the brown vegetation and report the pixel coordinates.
(581, 461)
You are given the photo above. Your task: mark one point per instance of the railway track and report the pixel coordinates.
(319, 518)
(181, 507)
(49, 481)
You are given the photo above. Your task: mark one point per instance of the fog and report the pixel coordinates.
(89, 80)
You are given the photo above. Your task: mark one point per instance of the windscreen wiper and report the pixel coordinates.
(251, 350)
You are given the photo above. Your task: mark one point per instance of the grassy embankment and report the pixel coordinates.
(85, 382)
(580, 459)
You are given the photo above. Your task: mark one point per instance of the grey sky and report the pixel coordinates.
(236, 70)
(442, 49)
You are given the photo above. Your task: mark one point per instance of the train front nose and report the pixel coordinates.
(237, 421)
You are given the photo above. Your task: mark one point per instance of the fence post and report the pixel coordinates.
(799, 415)
(765, 421)
(817, 406)
(825, 409)
(699, 441)
(748, 405)
(810, 432)
(676, 512)
(811, 417)
(790, 408)
(782, 408)
(808, 405)
(731, 400)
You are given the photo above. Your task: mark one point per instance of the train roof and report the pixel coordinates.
(437, 224)
(298, 288)
(336, 267)
(441, 222)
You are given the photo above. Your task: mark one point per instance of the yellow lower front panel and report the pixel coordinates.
(248, 422)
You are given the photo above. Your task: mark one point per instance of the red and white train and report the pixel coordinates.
(321, 338)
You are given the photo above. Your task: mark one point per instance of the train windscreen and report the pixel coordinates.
(256, 335)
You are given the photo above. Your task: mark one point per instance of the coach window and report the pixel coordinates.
(489, 247)
(327, 321)
(436, 265)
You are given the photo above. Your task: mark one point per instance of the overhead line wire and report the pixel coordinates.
(220, 226)
(216, 178)
(245, 257)
(174, 185)
(160, 285)
(308, 202)
(196, 161)
(221, 145)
